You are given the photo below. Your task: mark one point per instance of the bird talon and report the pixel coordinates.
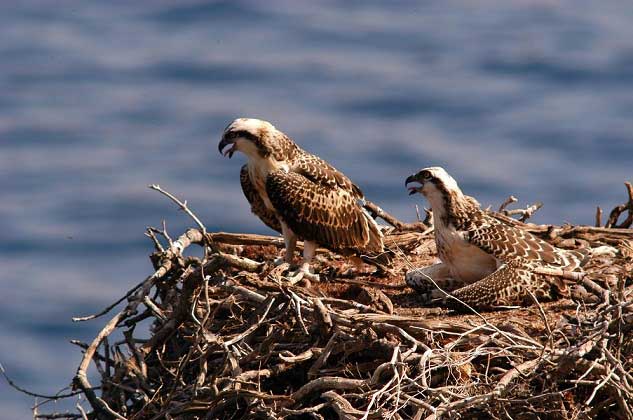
(295, 277)
(302, 273)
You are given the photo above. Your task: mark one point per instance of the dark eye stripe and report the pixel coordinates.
(243, 133)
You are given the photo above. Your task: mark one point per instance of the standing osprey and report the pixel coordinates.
(299, 194)
(488, 262)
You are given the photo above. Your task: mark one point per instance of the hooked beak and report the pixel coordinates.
(225, 142)
(413, 189)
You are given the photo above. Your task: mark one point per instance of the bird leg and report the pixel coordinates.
(309, 250)
(290, 241)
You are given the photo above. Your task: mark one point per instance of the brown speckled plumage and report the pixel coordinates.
(327, 214)
(521, 252)
(258, 207)
(506, 255)
(286, 184)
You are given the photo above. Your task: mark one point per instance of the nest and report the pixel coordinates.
(231, 337)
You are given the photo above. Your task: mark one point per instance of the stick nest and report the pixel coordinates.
(230, 337)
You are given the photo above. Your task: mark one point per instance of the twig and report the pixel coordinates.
(526, 213)
(35, 394)
(109, 307)
(511, 199)
(181, 204)
(618, 210)
(376, 211)
(327, 382)
(66, 415)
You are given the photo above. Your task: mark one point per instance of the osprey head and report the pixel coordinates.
(253, 137)
(432, 182)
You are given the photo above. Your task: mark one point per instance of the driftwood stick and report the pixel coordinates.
(181, 204)
(567, 230)
(101, 408)
(523, 214)
(343, 408)
(248, 239)
(327, 382)
(407, 239)
(511, 199)
(413, 322)
(377, 211)
(253, 239)
(618, 210)
(242, 263)
(512, 374)
(527, 212)
(404, 239)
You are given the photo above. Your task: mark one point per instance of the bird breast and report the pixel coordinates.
(258, 170)
(466, 262)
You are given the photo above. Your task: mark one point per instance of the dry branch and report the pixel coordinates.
(618, 210)
(376, 211)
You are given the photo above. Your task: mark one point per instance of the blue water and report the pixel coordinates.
(100, 99)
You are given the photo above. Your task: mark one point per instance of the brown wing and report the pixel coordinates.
(320, 172)
(257, 204)
(511, 284)
(319, 212)
(508, 243)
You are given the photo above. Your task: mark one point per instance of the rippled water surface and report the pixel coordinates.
(100, 99)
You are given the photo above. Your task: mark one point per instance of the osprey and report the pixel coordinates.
(298, 194)
(484, 261)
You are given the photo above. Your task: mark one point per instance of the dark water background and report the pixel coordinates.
(99, 99)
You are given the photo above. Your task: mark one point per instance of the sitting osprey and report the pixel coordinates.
(299, 194)
(489, 262)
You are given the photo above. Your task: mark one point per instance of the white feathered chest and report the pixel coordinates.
(466, 262)
(258, 170)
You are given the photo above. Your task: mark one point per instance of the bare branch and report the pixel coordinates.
(181, 204)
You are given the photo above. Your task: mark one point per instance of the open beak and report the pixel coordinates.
(222, 146)
(415, 188)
